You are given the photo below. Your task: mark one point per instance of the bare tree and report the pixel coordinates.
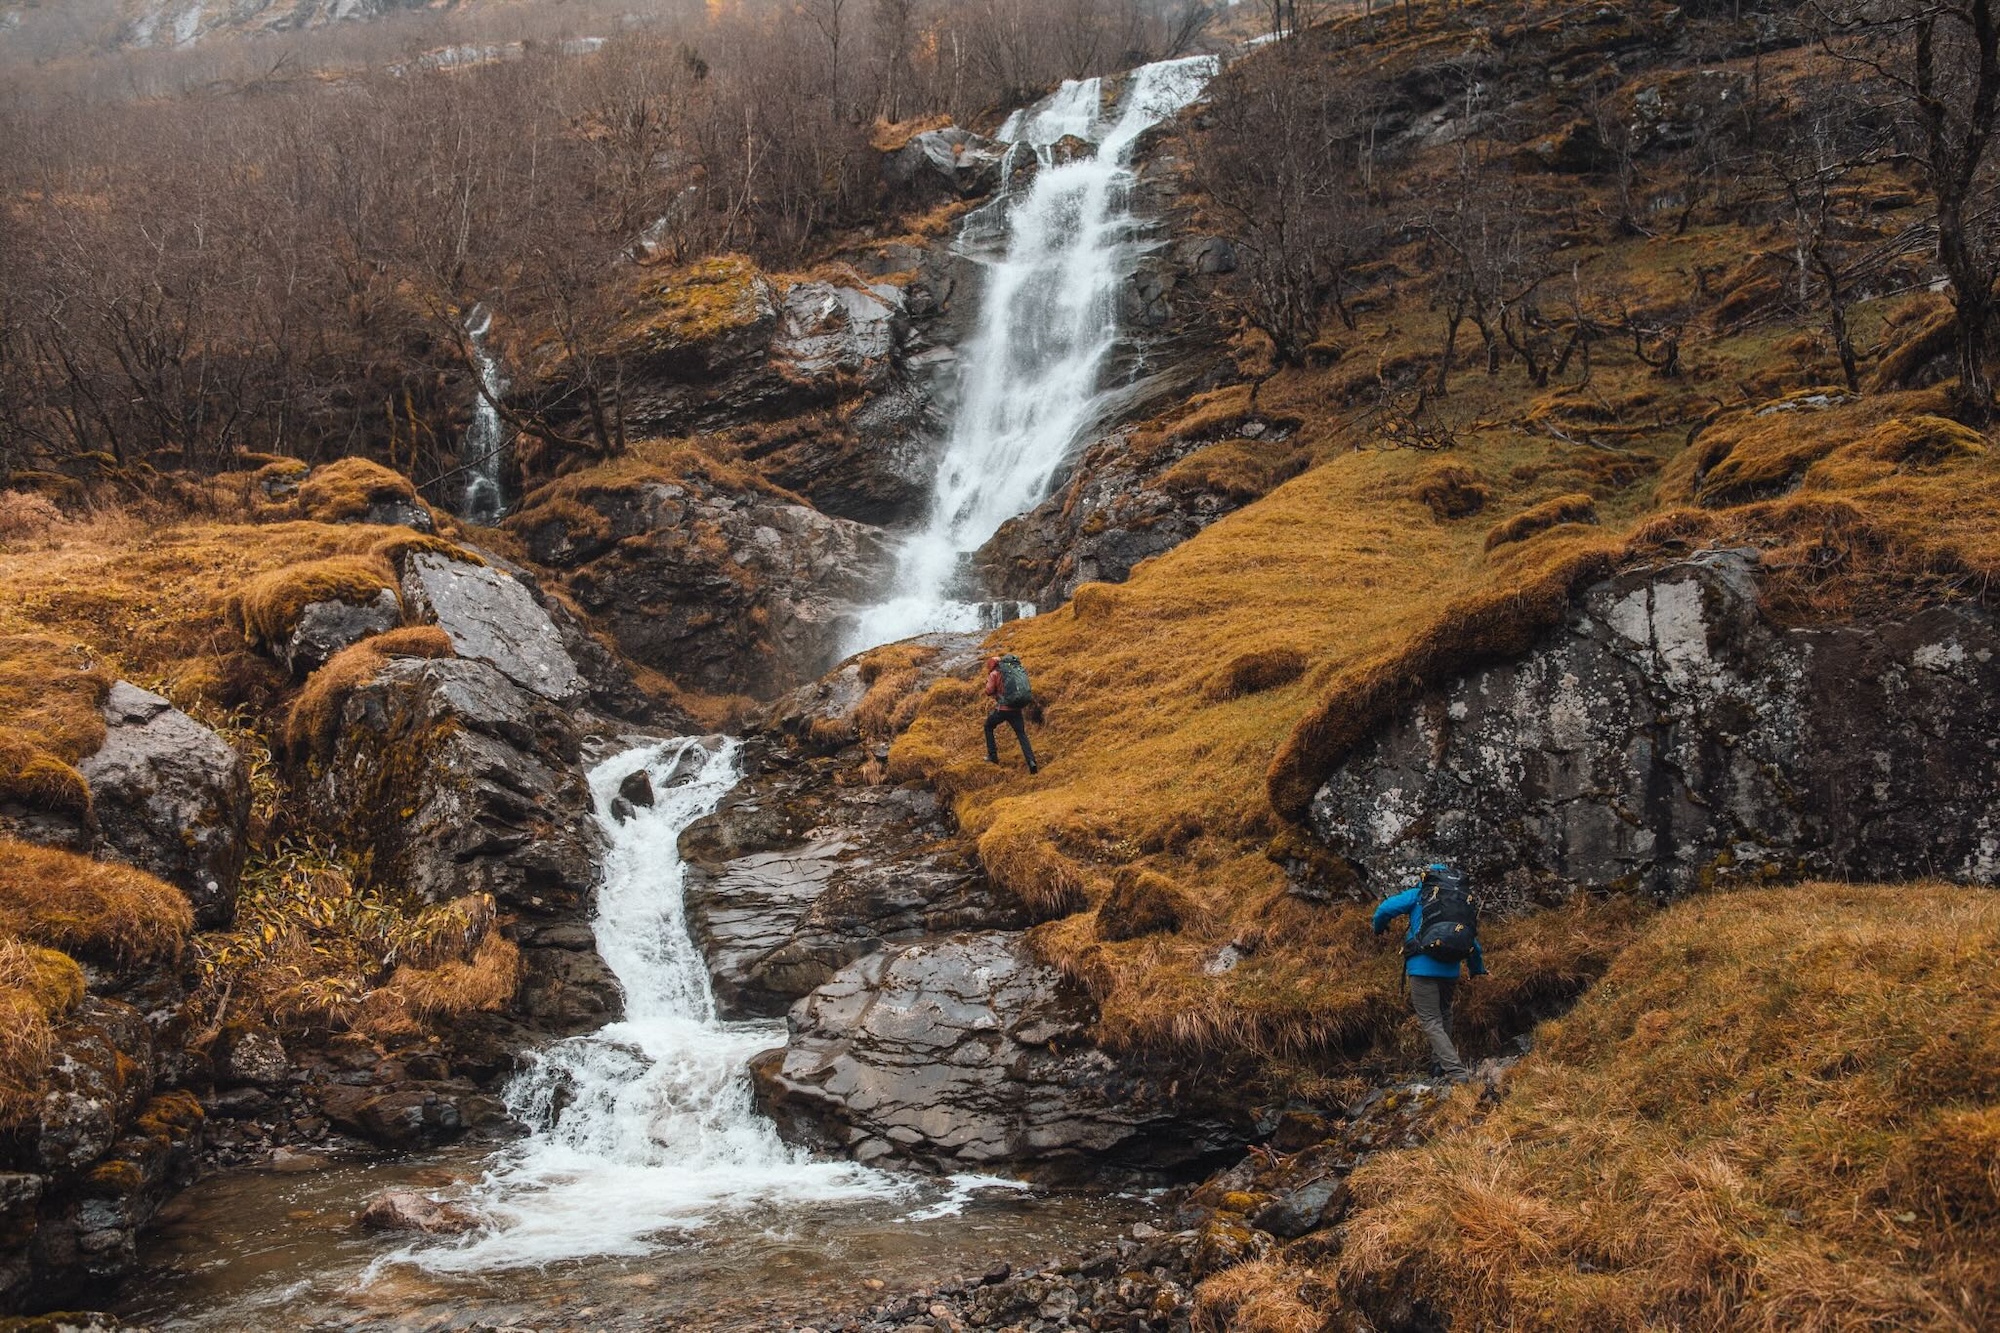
(1940, 62)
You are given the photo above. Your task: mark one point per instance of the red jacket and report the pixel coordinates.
(993, 688)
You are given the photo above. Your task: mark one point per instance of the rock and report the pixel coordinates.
(398, 514)
(1671, 736)
(947, 163)
(254, 1056)
(637, 789)
(172, 798)
(826, 329)
(801, 870)
(84, 1174)
(407, 1210)
(728, 589)
(1304, 1209)
(325, 628)
(404, 1115)
(492, 618)
(454, 780)
(965, 1053)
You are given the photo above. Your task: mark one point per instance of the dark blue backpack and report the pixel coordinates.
(1450, 919)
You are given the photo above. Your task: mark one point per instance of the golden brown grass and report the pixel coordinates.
(312, 948)
(95, 910)
(267, 608)
(1576, 507)
(1451, 491)
(150, 602)
(344, 491)
(49, 719)
(1777, 1110)
(313, 724)
(37, 987)
(691, 306)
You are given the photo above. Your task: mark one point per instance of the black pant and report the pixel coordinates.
(1012, 717)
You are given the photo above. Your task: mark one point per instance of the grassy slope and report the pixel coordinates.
(1345, 568)
(1776, 1111)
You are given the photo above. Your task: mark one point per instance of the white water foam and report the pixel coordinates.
(1030, 388)
(482, 451)
(645, 1127)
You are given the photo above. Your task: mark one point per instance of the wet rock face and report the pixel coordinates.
(944, 164)
(1671, 735)
(491, 618)
(964, 1052)
(80, 1180)
(795, 877)
(730, 591)
(460, 781)
(325, 628)
(171, 797)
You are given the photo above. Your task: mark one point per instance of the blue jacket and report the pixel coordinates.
(1419, 965)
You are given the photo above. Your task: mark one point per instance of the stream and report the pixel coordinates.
(647, 1188)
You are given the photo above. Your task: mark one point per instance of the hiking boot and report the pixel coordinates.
(1034, 768)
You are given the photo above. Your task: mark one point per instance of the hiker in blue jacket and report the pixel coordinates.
(1435, 953)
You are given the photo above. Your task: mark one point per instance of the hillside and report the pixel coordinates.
(1556, 441)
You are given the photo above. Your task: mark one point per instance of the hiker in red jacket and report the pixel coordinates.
(1007, 686)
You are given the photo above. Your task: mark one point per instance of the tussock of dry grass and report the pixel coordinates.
(95, 910)
(344, 491)
(415, 999)
(267, 608)
(1451, 491)
(1267, 1296)
(37, 987)
(1577, 507)
(1256, 671)
(49, 719)
(1777, 1110)
(1141, 902)
(313, 725)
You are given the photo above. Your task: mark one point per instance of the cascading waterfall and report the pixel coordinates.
(481, 453)
(1030, 379)
(646, 1126)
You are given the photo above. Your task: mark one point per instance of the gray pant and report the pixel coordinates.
(1431, 998)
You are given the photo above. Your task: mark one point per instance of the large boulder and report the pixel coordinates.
(727, 587)
(455, 779)
(947, 163)
(171, 797)
(82, 1177)
(965, 1053)
(796, 875)
(1671, 736)
(491, 617)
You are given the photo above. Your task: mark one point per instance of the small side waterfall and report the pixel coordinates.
(646, 1126)
(1031, 376)
(483, 450)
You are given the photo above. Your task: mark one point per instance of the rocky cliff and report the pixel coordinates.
(1671, 736)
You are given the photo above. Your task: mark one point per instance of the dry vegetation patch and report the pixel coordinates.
(313, 724)
(96, 910)
(1776, 1110)
(37, 987)
(344, 491)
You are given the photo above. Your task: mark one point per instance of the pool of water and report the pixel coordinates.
(268, 1250)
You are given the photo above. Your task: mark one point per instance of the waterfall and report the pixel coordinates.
(646, 1126)
(1031, 376)
(483, 449)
